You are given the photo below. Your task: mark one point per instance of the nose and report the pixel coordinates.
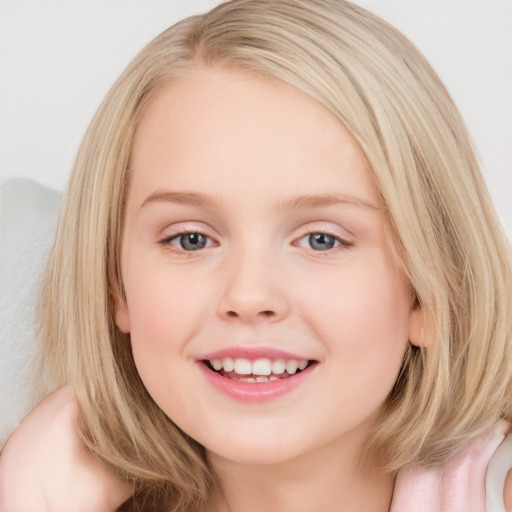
(252, 291)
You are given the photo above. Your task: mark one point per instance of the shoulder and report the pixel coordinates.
(458, 482)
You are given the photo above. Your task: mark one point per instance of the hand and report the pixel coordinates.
(45, 467)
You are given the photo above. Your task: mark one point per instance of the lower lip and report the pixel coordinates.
(255, 391)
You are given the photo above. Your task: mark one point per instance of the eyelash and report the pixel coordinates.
(167, 241)
(343, 244)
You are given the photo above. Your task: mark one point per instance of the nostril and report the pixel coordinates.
(265, 314)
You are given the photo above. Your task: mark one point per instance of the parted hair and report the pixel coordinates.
(442, 225)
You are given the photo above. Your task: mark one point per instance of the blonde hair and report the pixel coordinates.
(444, 231)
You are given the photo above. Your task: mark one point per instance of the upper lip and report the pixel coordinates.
(253, 353)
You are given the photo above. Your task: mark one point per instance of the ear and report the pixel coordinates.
(420, 334)
(121, 313)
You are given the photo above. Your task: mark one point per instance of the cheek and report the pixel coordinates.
(163, 316)
(361, 315)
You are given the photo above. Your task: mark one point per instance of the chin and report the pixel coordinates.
(253, 452)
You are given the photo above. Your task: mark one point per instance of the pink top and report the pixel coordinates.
(472, 481)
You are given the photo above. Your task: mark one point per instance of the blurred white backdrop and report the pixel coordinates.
(59, 57)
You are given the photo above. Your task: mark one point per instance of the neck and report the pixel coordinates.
(330, 479)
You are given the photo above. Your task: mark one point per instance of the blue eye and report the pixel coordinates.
(321, 242)
(188, 241)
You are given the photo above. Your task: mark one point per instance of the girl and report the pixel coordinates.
(277, 282)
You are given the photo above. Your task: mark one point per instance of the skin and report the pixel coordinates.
(44, 466)
(507, 493)
(251, 147)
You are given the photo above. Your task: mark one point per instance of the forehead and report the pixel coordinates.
(217, 129)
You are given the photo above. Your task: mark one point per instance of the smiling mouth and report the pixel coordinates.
(259, 370)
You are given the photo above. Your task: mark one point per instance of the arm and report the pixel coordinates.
(45, 467)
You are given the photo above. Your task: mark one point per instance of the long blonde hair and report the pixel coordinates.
(444, 231)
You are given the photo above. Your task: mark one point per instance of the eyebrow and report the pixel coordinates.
(185, 198)
(322, 200)
(297, 202)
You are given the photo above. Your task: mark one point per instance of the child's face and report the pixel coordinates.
(253, 232)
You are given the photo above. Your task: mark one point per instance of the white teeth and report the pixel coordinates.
(217, 364)
(291, 366)
(278, 366)
(262, 367)
(243, 367)
(228, 364)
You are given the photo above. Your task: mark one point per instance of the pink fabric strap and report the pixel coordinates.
(458, 486)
